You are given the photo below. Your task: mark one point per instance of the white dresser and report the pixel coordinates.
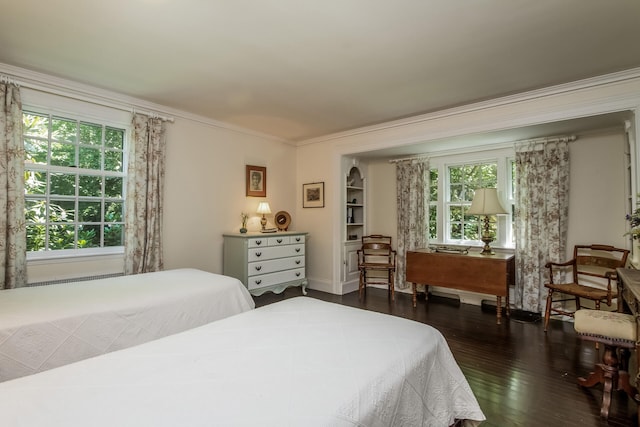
(266, 261)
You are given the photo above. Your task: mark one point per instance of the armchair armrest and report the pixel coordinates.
(551, 264)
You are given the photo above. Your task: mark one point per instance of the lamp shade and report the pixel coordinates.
(263, 208)
(486, 202)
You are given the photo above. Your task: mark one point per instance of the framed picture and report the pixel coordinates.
(313, 195)
(256, 181)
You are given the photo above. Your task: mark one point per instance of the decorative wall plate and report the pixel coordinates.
(282, 220)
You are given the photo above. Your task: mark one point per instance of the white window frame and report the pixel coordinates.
(502, 156)
(105, 121)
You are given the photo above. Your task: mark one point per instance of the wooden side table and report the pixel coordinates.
(487, 274)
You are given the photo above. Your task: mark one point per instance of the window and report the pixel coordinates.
(74, 183)
(462, 181)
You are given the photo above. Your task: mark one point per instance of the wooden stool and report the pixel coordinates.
(617, 331)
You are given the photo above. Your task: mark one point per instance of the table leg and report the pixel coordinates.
(414, 287)
(499, 310)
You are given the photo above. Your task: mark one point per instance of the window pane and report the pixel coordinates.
(35, 182)
(455, 175)
(455, 192)
(64, 130)
(433, 185)
(113, 235)
(62, 210)
(114, 138)
(456, 231)
(90, 134)
(113, 187)
(90, 186)
(35, 125)
(90, 211)
(456, 213)
(113, 161)
(469, 192)
(36, 237)
(35, 211)
(433, 222)
(63, 184)
(471, 231)
(36, 150)
(113, 212)
(63, 154)
(90, 158)
(89, 236)
(62, 236)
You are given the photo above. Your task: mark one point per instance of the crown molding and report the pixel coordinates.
(589, 83)
(83, 92)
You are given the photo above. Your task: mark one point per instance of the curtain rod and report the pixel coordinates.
(152, 115)
(549, 139)
(539, 143)
(408, 158)
(4, 78)
(8, 80)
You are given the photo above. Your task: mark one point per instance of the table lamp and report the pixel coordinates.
(485, 202)
(263, 208)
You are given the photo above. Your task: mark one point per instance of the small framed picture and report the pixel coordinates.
(256, 181)
(313, 195)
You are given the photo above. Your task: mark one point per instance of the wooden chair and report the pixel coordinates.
(590, 263)
(377, 263)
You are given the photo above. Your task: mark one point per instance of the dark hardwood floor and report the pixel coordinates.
(520, 375)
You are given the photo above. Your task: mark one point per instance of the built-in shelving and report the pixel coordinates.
(355, 205)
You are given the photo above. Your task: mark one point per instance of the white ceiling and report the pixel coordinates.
(298, 69)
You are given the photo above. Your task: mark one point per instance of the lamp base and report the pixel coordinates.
(487, 249)
(263, 222)
(486, 237)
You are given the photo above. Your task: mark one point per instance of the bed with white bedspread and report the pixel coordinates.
(49, 326)
(299, 362)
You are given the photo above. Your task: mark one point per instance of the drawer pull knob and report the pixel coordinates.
(298, 274)
(258, 281)
(258, 254)
(297, 249)
(297, 239)
(258, 242)
(279, 240)
(297, 261)
(258, 267)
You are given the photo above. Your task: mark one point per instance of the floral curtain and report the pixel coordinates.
(412, 183)
(13, 240)
(143, 230)
(541, 217)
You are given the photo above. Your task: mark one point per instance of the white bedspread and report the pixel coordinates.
(300, 362)
(49, 326)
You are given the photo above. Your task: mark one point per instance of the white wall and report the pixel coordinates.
(205, 189)
(597, 199)
(316, 164)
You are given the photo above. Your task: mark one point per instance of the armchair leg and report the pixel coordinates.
(547, 312)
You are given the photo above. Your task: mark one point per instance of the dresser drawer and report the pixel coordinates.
(273, 252)
(278, 240)
(256, 282)
(258, 242)
(270, 266)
